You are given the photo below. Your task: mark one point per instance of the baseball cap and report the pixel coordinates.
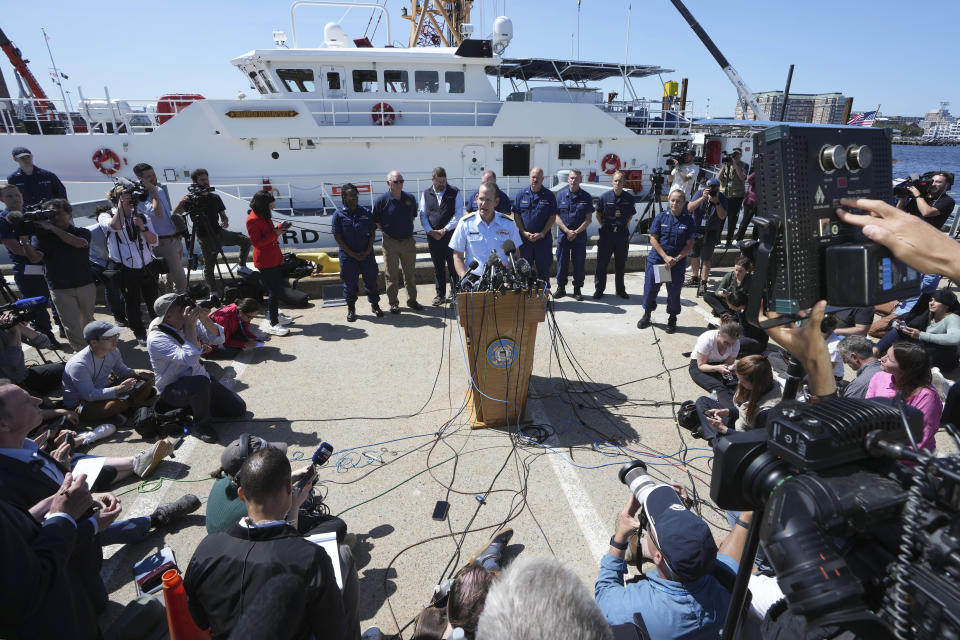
(21, 152)
(234, 454)
(683, 538)
(162, 304)
(99, 329)
(713, 182)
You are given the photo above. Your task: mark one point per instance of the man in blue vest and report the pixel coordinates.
(354, 229)
(574, 213)
(671, 241)
(37, 185)
(441, 206)
(535, 211)
(395, 212)
(503, 203)
(614, 210)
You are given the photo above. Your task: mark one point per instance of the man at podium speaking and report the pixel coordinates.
(479, 233)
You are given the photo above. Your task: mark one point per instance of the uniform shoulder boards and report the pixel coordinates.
(507, 216)
(469, 215)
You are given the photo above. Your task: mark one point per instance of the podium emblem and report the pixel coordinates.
(502, 353)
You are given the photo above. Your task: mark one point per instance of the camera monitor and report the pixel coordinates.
(805, 253)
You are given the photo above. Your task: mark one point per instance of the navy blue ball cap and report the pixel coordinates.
(682, 537)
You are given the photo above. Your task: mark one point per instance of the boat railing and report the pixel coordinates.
(649, 116)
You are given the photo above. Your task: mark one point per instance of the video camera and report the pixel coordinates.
(726, 158)
(657, 178)
(923, 183)
(20, 311)
(23, 221)
(858, 540)
(197, 191)
(805, 253)
(137, 190)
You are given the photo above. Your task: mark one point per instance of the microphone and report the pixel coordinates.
(470, 278)
(485, 279)
(25, 303)
(320, 457)
(508, 249)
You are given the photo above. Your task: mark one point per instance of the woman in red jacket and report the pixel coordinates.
(235, 319)
(267, 257)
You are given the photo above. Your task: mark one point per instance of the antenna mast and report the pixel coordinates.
(438, 22)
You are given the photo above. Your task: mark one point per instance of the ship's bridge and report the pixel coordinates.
(380, 86)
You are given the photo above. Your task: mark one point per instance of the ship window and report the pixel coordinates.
(569, 152)
(395, 81)
(297, 80)
(454, 81)
(255, 79)
(516, 159)
(266, 81)
(333, 81)
(427, 81)
(365, 81)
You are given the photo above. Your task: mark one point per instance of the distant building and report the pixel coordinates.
(819, 108)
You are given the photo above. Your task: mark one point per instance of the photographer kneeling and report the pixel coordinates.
(130, 237)
(757, 392)
(66, 256)
(174, 346)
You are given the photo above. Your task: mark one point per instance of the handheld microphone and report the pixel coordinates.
(25, 303)
(320, 457)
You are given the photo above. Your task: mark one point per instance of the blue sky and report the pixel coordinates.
(878, 52)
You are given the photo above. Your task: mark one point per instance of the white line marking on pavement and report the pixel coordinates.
(581, 506)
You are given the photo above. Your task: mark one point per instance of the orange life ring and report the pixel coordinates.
(610, 164)
(383, 114)
(106, 161)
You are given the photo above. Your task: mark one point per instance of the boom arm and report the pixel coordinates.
(41, 102)
(742, 89)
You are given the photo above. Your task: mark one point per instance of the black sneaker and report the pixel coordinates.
(671, 325)
(168, 513)
(377, 311)
(395, 309)
(438, 301)
(205, 433)
(597, 295)
(577, 295)
(624, 295)
(701, 289)
(560, 292)
(413, 304)
(644, 322)
(121, 322)
(692, 281)
(351, 313)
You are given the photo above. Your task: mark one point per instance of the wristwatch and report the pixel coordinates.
(619, 546)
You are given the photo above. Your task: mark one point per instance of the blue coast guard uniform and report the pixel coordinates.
(673, 233)
(535, 209)
(573, 209)
(476, 239)
(504, 204)
(354, 227)
(614, 212)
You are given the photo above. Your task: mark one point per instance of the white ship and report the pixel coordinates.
(351, 112)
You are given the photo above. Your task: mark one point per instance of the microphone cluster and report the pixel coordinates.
(514, 275)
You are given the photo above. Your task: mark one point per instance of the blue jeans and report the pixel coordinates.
(651, 288)
(126, 531)
(567, 251)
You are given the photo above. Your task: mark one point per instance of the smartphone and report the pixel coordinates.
(440, 510)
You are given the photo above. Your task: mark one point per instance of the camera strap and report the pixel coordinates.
(170, 331)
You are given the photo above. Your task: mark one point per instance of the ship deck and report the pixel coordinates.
(388, 394)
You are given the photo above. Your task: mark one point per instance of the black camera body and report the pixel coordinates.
(23, 222)
(196, 191)
(923, 183)
(806, 253)
(726, 158)
(657, 178)
(199, 295)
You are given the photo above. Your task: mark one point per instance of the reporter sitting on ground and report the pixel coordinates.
(86, 378)
(174, 346)
(938, 330)
(906, 370)
(66, 259)
(539, 597)
(712, 358)
(738, 280)
(757, 392)
(857, 353)
(229, 569)
(681, 597)
(235, 318)
(39, 379)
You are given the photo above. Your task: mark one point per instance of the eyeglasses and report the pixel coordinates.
(400, 181)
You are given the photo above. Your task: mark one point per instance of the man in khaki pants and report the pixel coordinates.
(395, 212)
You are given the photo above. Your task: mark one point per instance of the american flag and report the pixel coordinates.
(863, 119)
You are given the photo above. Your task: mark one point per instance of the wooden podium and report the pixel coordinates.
(501, 333)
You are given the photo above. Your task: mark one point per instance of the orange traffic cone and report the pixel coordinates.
(179, 620)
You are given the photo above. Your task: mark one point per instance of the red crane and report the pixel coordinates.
(41, 103)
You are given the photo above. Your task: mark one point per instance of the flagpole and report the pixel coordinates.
(66, 108)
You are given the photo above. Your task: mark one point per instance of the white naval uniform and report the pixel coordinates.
(475, 238)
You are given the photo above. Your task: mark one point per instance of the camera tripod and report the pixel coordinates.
(654, 200)
(199, 218)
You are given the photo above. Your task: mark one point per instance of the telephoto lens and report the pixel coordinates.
(634, 475)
